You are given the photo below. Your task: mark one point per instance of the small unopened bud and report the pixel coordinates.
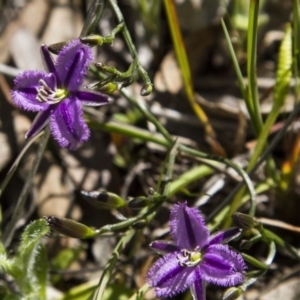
(70, 227)
(243, 221)
(140, 202)
(56, 48)
(101, 66)
(232, 293)
(245, 245)
(103, 199)
(108, 88)
(146, 89)
(92, 40)
(140, 224)
(151, 191)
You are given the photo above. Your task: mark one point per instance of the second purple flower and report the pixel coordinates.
(195, 257)
(58, 96)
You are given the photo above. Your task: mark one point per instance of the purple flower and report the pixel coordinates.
(57, 95)
(195, 257)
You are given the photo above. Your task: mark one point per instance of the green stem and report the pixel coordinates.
(129, 43)
(263, 137)
(107, 272)
(188, 177)
(170, 168)
(253, 261)
(144, 110)
(270, 236)
(129, 222)
(114, 71)
(184, 180)
(129, 130)
(11, 227)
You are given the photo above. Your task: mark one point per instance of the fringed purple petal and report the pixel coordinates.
(67, 124)
(72, 63)
(198, 288)
(168, 277)
(224, 236)
(222, 266)
(91, 98)
(47, 60)
(188, 228)
(40, 121)
(163, 247)
(25, 90)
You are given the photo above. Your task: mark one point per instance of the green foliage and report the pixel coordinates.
(40, 268)
(29, 267)
(84, 291)
(8, 266)
(63, 260)
(116, 291)
(31, 236)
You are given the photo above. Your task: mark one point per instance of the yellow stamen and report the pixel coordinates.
(195, 256)
(60, 94)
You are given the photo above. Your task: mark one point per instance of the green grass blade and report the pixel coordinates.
(238, 71)
(184, 66)
(251, 65)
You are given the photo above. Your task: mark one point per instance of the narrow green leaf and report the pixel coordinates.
(284, 69)
(296, 47)
(251, 65)
(237, 71)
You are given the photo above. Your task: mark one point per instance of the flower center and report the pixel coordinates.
(189, 258)
(49, 96)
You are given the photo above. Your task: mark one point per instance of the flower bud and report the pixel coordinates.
(232, 293)
(108, 88)
(146, 89)
(55, 48)
(92, 40)
(70, 228)
(243, 221)
(103, 199)
(245, 244)
(140, 202)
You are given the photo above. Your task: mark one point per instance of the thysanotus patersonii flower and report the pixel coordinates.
(58, 96)
(195, 257)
